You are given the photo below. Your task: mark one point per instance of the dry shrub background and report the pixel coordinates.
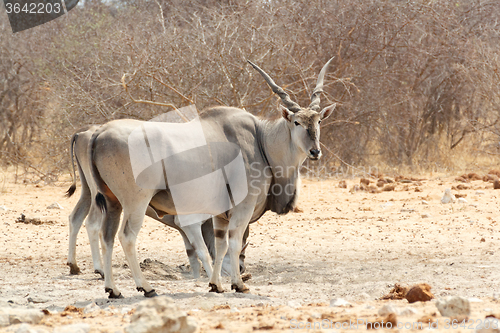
(417, 81)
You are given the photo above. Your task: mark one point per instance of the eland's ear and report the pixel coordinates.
(326, 112)
(287, 114)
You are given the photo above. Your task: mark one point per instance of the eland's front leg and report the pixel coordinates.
(220, 232)
(132, 223)
(235, 236)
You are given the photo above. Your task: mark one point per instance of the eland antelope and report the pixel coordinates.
(246, 166)
(197, 238)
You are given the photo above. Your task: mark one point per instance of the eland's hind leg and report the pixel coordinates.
(109, 228)
(191, 253)
(75, 223)
(93, 225)
(194, 234)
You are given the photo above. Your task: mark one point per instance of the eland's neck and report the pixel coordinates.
(282, 154)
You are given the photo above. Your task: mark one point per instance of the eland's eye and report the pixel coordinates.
(296, 123)
(319, 122)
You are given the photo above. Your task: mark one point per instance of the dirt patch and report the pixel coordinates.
(353, 246)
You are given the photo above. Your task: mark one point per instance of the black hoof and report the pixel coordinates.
(213, 288)
(73, 269)
(149, 294)
(112, 293)
(100, 273)
(243, 290)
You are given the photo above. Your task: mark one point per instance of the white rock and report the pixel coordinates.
(11, 316)
(475, 300)
(453, 306)
(3, 208)
(364, 296)
(74, 328)
(387, 309)
(462, 200)
(26, 328)
(294, 304)
(386, 205)
(54, 205)
(426, 216)
(91, 308)
(480, 192)
(447, 197)
(408, 311)
(339, 302)
(424, 202)
(160, 314)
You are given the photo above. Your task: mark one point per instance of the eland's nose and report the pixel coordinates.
(315, 152)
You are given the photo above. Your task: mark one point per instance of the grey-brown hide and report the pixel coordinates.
(266, 148)
(86, 209)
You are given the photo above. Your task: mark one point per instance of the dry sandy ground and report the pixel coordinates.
(354, 246)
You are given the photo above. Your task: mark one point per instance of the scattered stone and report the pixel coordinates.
(74, 328)
(11, 316)
(27, 328)
(474, 176)
(419, 293)
(381, 182)
(294, 304)
(462, 179)
(453, 306)
(389, 180)
(398, 292)
(297, 210)
(38, 300)
(54, 205)
(462, 201)
(355, 188)
(373, 189)
(460, 187)
(364, 181)
(91, 308)
(496, 184)
(427, 320)
(160, 314)
(494, 172)
(426, 216)
(390, 321)
(475, 300)
(32, 220)
(389, 187)
(387, 309)
(3, 208)
(424, 202)
(247, 276)
(480, 192)
(489, 178)
(482, 240)
(418, 189)
(343, 184)
(386, 205)
(264, 324)
(340, 302)
(460, 195)
(408, 311)
(447, 197)
(71, 309)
